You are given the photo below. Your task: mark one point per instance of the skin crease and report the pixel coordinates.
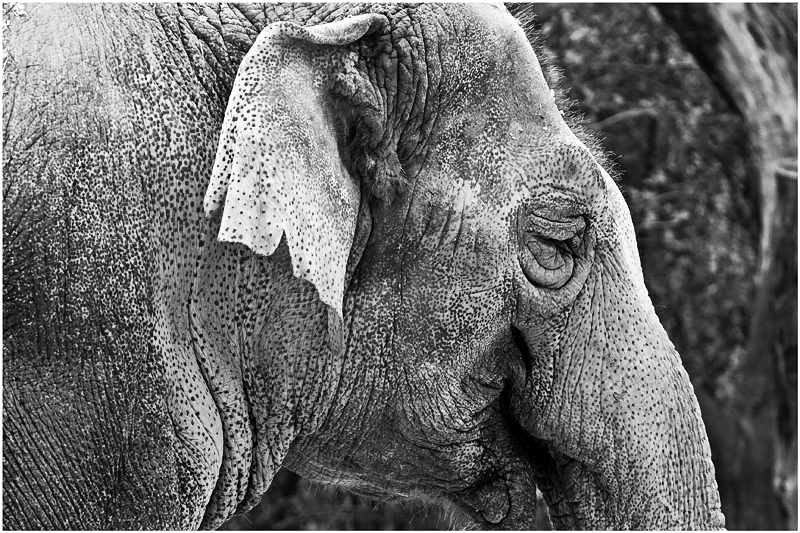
(163, 343)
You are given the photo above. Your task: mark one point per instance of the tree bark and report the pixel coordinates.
(750, 53)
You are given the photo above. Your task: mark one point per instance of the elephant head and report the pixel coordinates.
(419, 283)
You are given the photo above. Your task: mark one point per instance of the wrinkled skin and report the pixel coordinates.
(393, 268)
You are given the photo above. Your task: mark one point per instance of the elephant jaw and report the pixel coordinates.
(504, 503)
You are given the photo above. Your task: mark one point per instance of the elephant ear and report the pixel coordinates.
(278, 168)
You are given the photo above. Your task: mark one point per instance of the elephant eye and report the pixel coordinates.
(548, 257)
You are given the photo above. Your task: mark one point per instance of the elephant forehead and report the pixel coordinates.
(493, 66)
(529, 167)
(562, 163)
(500, 127)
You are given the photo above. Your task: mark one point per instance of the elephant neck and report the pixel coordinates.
(254, 329)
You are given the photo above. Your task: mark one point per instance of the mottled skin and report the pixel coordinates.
(403, 274)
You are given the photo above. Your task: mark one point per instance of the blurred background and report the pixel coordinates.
(697, 104)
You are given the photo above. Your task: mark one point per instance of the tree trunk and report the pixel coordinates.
(750, 53)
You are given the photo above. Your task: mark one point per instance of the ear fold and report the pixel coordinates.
(278, 169)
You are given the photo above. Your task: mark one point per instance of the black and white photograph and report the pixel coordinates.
(378, 266)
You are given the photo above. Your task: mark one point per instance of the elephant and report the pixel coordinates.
(360, 241)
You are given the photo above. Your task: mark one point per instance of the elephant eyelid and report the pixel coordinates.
(556, 230)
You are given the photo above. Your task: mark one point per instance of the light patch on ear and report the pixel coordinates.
(286, 179)
(278, 170)
(465, 193)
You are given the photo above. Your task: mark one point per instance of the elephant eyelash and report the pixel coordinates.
(571, 233)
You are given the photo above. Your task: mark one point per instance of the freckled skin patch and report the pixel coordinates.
(350, 261)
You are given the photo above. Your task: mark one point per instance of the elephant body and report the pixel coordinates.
(356, 240)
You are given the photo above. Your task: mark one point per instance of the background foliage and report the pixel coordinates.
(685, 169)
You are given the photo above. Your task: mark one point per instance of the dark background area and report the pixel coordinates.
(692, 170)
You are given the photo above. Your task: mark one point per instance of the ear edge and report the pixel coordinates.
(338, 33)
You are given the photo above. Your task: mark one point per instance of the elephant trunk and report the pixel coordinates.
(611, 423)
(627, 451)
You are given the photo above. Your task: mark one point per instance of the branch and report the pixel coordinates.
(624, 115)
(786, 168)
